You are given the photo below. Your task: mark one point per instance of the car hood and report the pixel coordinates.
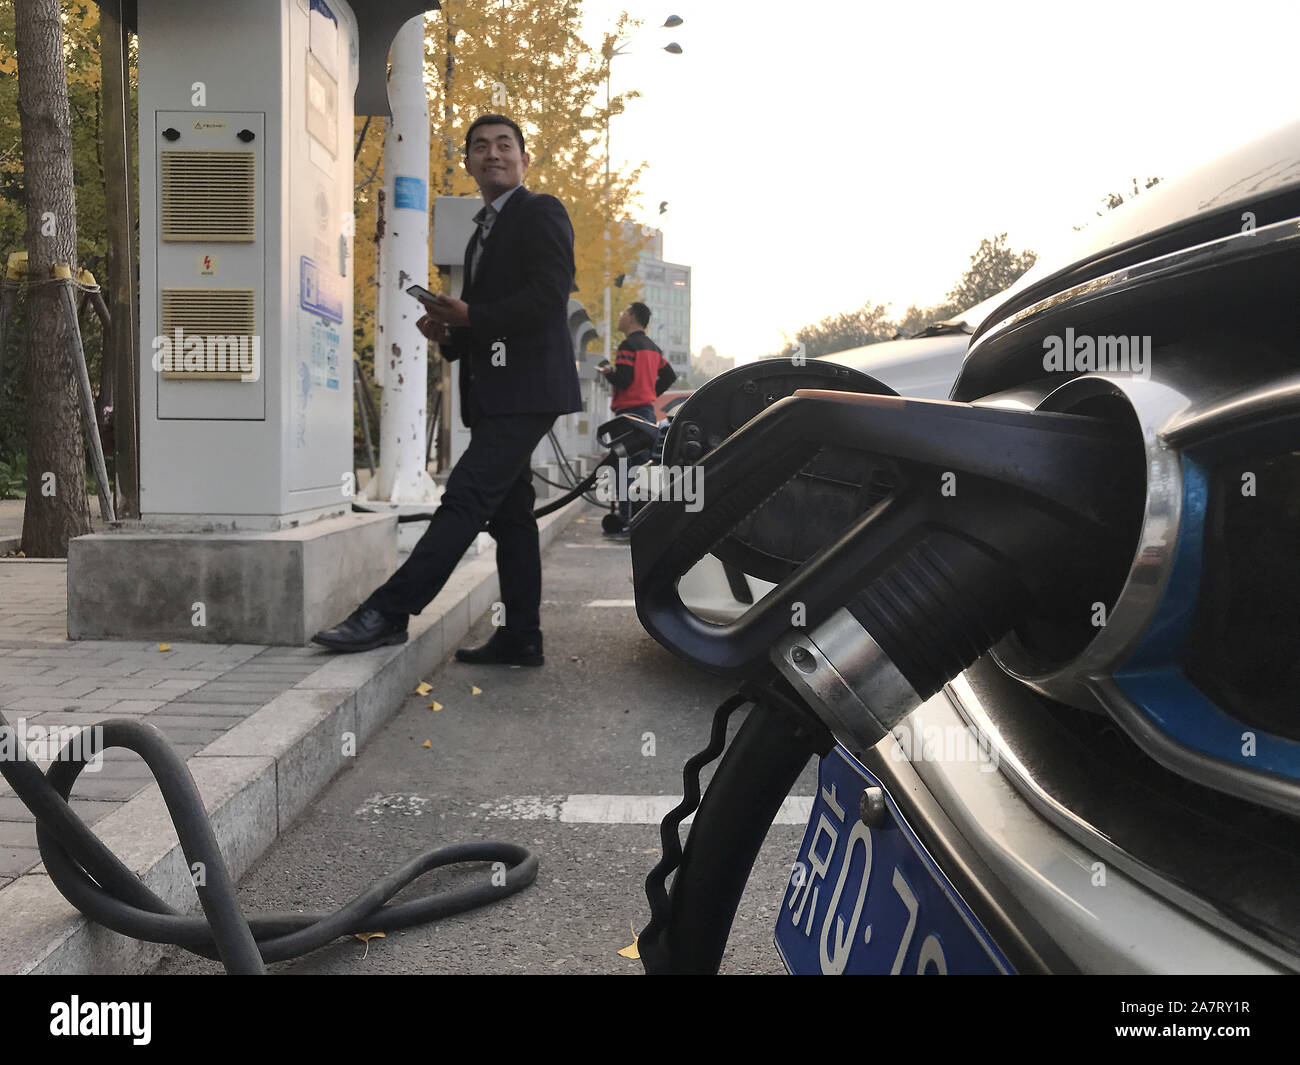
(921, 366)
(924, 367)
(1253, 185)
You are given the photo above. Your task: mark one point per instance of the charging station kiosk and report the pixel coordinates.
(246, 230)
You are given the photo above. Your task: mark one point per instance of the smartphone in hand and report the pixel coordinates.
(424, 295)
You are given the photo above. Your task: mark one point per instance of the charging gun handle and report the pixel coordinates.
(1021, 472)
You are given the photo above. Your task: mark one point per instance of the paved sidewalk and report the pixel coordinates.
(33, 604)
(195, 693)
(11, 525)
(263, 729)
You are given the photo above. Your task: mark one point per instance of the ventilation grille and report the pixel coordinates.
(208, 196)
(224, 321)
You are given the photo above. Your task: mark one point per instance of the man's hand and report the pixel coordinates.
(449, 311)
(438, 332)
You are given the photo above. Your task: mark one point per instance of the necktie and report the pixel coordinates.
(484, 221)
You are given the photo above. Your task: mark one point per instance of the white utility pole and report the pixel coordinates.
(404, 260)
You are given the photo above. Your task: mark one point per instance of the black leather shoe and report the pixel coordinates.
(504, 649)
(364, 630)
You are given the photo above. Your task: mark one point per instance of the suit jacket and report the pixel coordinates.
(516, 355)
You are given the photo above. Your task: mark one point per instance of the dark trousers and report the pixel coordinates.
(491, 486)
(646, 412)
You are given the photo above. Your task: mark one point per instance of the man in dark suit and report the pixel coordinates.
(510, 331)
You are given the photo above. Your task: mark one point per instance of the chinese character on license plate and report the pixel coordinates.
(871, 900)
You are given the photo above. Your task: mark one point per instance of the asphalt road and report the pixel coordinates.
(610, 714)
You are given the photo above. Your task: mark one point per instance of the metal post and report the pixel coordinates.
(120, 283)
(614, 51)
(90, 295)
(608, 326)
(87, 397)
(363, 401)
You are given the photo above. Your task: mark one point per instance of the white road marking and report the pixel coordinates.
(407, 805)
(612, 602)
(527, 808)
(600, 547)
(615, 809)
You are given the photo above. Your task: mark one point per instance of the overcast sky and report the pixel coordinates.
(821, 154)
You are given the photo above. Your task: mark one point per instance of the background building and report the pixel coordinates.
(708, 364)
(667, 288)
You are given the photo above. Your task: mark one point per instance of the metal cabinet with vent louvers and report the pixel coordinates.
(245, 260)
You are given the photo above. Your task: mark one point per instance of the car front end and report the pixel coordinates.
(1102, 773)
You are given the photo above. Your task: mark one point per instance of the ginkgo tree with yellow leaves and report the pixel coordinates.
(524, 59)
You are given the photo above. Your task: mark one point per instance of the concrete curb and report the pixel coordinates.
(255, 780)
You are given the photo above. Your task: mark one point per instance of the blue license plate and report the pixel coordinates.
(871, 900)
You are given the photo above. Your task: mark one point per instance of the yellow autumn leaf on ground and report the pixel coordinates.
(423, 689)
(435, 705)
(474, 689)
(631, 951)
(428, 744)
(365, 938)
(164, 647)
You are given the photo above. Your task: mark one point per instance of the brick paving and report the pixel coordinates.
(11, 524)
(192, 692)
(33, 601)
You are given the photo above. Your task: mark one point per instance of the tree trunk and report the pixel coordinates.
(448, 112)
(56, 509)
(119, 201)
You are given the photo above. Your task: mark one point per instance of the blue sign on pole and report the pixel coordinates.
(409, 192)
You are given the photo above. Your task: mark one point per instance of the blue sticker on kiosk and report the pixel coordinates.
(409, 192)
(319, 291)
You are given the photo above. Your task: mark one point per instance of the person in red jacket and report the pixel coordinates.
(639, 375)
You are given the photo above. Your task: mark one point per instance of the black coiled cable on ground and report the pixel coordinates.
(96, 882)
